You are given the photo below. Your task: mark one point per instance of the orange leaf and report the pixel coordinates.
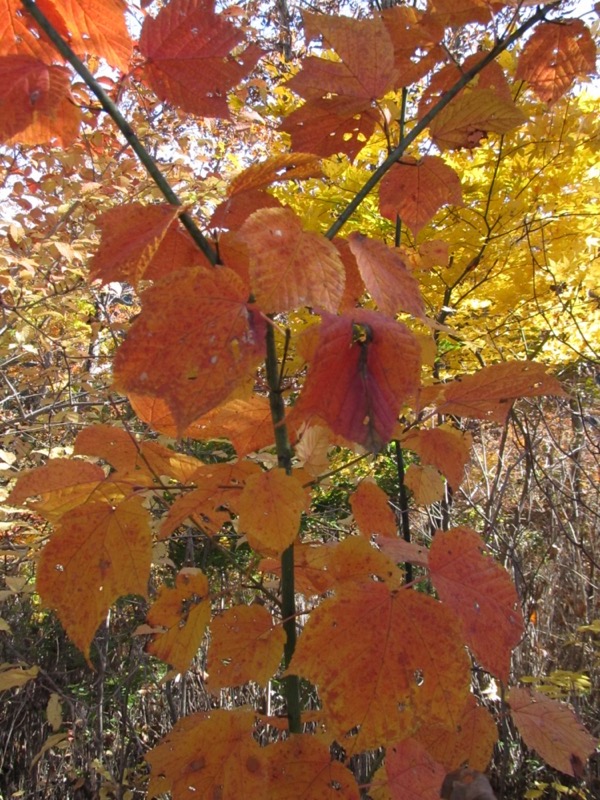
(355, 287)
(184, 612)
(269, 510)
(454, 13)
(338, 115)
(313, 448)
(212, 755)
(246, 423)
(415, 190)
(19, 33)
(445, 448)
(98, 27)
(365, 366)
(158, 460)
(311, 572)
(187, 48)
(411, 772)
(366, 66)
(371, 508)
(470, 740)
(219, 485)
(326, 126)
(386, 276)
(141, 242)
(301, 768)
(60, 485)
(194, 342)
(244, 646)
(31, 93)
(354, 560)
(554, 55)
(291, 267)
(113, 445)
(426, 484)
(481, 594)
(99, 552)
(471, 117)
(400, 551)
(410, 666)
(488, 394)
(552, 730)
(416, 38)
(282, 167)
(235, 210)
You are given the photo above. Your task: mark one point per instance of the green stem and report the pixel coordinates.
(122, 124)
(288, 595)
(424, 122)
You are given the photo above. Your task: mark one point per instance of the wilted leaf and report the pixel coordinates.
(552, 730)
(98, 553)
(270, 508)
(244, 646)
(184, 612)
(12, 677)
(481, 594)
(187, 48)
(386, 276)
(415, 190)
(194, 342)
(363, 369)
(211, 754)
(555, 54)
(54, 711)
(410, 667)
(371, 508)
(291, 267)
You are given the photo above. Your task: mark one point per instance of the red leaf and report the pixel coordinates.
(552, 730)
(195, 340)
(415, 190)
(358, 387)
(343, 122)
(555, 55)
(386, 276)
(142, 242)
(188, 57)
(481, 594)
(488, 394)
(31, 93)
(412, 774)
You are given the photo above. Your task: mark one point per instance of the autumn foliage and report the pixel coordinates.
(303, 349)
